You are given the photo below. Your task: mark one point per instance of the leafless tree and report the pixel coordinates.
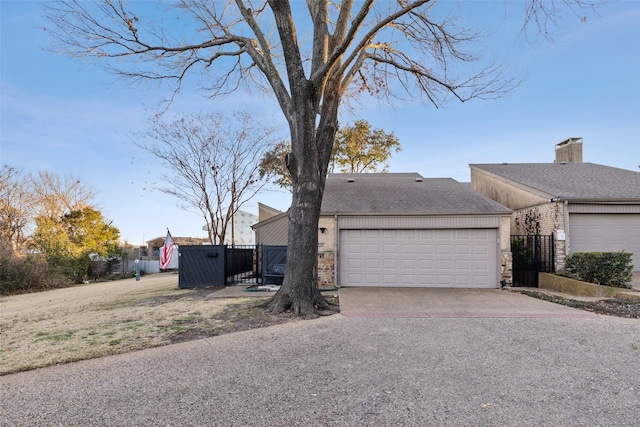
(57, 195)
(25, 197)
(394, 50)
(16, 208)
(212, 162)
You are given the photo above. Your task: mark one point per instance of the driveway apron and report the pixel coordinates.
(448, 303)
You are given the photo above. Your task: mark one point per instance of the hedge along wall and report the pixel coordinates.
(603, 268)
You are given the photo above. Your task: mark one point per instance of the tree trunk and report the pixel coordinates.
(299, 292)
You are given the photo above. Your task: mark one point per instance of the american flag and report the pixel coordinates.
(166, 251)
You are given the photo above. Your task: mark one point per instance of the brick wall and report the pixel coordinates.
(326, 245)
(326, 270)
(542, 219)
(506, 260)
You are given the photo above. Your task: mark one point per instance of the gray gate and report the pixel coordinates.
(273, 260)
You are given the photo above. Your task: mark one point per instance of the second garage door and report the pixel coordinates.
(605, 233)
(456, 258)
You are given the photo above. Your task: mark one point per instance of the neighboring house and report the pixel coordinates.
(586, 206)
(403, 230)
(154, 245)
(266, 212)
(239, 231)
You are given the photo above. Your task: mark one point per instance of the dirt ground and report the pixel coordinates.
(99, 319)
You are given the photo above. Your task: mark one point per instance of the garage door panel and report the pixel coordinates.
(462, 234)
(462, 264)
(429, 258)
(444, 234)
(426, 249)
(444, 249)
(444, 280)
(388, 264)
(606, 233)
(480, 281)
(426, 264)
(408, 249)
(390, 248)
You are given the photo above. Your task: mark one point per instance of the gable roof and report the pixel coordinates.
(403, 194)
(569, 181)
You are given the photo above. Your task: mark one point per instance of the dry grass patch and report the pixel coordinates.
(110, 318)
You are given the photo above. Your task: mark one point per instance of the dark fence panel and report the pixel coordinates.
(531, 255)
(219, 265)
(241, 262)
(201, 266)
(273, 260)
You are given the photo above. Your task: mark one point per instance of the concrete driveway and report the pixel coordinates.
(448, 303)
(447, 358)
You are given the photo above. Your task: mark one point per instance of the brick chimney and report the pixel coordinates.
(569, 151)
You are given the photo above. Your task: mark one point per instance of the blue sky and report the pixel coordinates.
(71, 117)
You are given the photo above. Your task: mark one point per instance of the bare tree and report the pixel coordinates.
(212, 162)
(403, 49)
(16, 208)
(57, 195)
(23, 198)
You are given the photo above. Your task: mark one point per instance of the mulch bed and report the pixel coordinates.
(619, 307)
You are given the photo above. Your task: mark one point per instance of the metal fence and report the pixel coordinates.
(221, 265)
(531, 255)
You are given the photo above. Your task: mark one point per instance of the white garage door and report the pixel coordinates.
(465, 258)
(606, 233)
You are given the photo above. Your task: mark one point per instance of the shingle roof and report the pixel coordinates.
(570, 181)
(403, 194)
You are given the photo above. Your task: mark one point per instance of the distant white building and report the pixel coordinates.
(242, 231)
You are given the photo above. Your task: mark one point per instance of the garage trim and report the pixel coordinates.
(415, 222)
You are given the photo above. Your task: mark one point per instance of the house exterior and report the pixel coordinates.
(586, 206)
(403, 230)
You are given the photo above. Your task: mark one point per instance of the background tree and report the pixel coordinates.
(273, 164)
(16, 208)
(400, 50)
(213, 163)
(356, 149)
(359, 149)
(56, 195)
(70, 241)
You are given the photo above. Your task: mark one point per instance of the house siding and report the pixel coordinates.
(506, 194)
(275, 232)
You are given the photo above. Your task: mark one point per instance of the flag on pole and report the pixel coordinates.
(166, 251)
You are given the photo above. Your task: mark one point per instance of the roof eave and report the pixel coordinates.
(595, 200)
(501, 213)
